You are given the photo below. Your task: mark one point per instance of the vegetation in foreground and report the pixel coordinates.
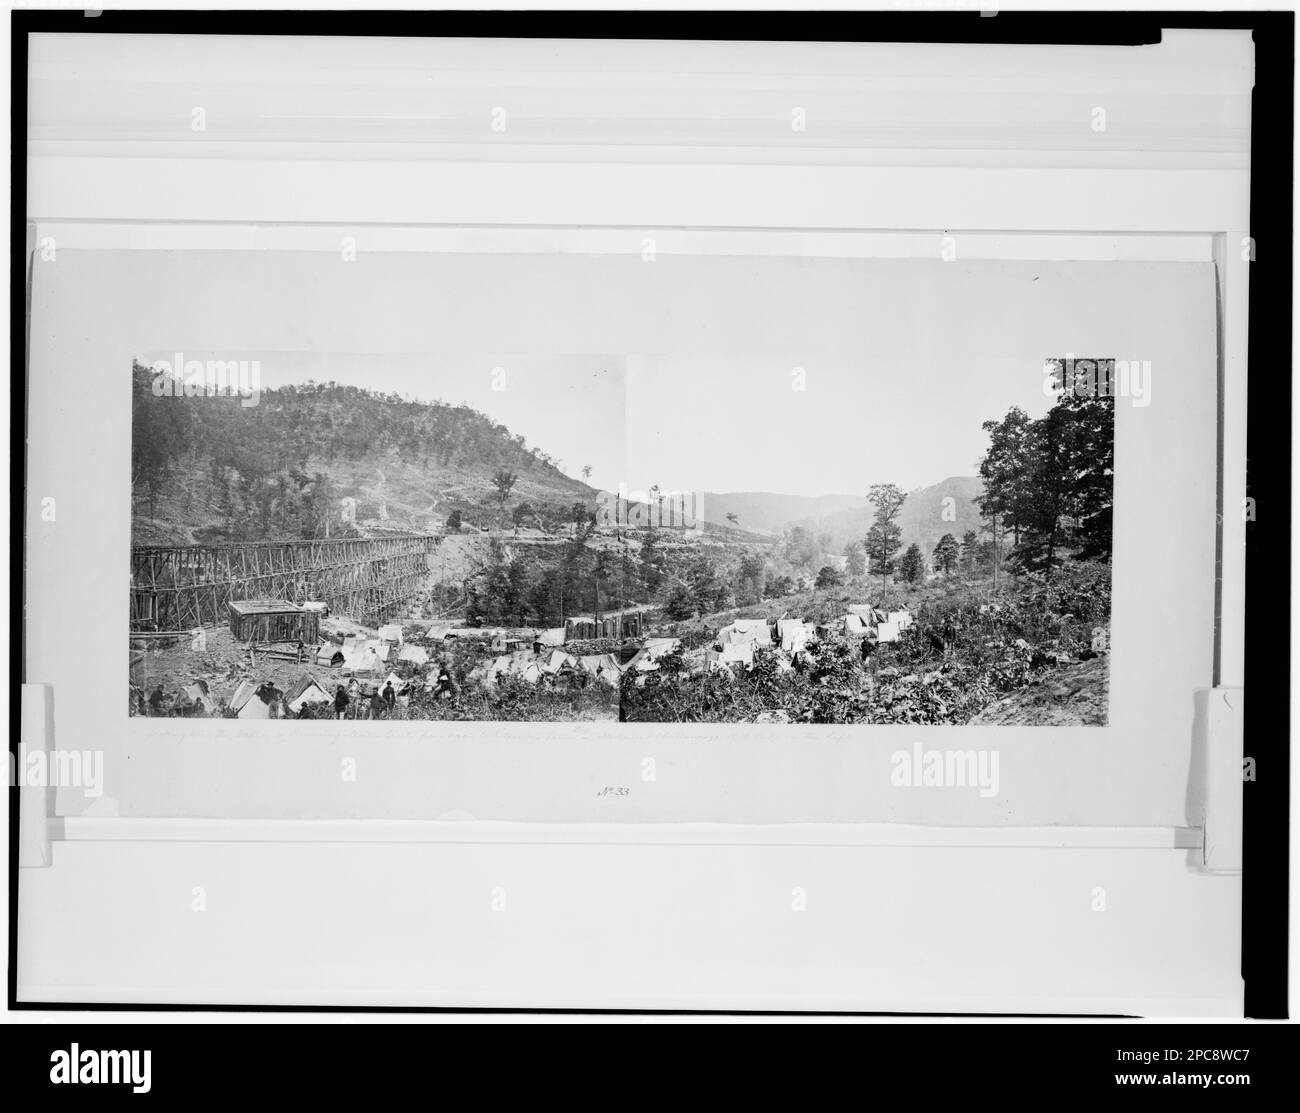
(970, 646)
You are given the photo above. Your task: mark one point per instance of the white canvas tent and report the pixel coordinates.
(521, 665)
(364, 655)
(391, 633)
(197, 695)
(306, 690)
(731, 654)
(795, 635)
(416, 654)
(648, 656)
(246, 704)
(603, 667)
(558, 660)
(742, 631)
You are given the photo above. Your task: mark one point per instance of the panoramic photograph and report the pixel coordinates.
(621, 538)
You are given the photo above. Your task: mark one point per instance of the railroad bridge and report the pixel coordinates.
(370, 580)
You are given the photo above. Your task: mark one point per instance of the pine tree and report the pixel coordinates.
(911, 566)
(946, 554)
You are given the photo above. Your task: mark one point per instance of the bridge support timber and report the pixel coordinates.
(367, 579)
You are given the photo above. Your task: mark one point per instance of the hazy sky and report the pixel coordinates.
(680, 373)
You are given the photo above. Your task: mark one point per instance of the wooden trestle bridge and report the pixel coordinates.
(370, 580)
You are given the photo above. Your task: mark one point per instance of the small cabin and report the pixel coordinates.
(627, 623)
(273, 620)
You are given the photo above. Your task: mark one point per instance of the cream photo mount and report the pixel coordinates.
(159, 744)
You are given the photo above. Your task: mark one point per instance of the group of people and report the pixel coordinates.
(356, 704)
(380, 703)
(378, 706)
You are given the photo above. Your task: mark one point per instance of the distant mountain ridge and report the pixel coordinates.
(765, 512)
(926, 515)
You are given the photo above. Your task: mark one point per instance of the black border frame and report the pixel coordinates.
(1265, 900)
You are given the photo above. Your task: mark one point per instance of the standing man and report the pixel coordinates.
(340, 702)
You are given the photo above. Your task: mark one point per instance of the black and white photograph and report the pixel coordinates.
(335, 538)
(671, 517)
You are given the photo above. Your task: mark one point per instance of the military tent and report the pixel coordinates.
(731, 654)
(648, 656)
(246, 704)
(743, 631)
(558, 660)
(416, 654)
(364, 655)
(195, 697)
(523, 665)
(795, 635)
(602, 666)
(305, 690)
(887, 632)
(391, 633)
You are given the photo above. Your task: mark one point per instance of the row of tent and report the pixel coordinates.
(865, 621)
(736, 642)
(604, 667)
(256, 700)
(861, 620)
(360, 655)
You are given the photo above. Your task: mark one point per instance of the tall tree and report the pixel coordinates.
(504, 481)
(969, 551)
(856, 558)
(1004, 469)
(652, 563)
(749, 579)
(885, 537)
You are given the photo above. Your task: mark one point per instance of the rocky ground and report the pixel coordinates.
(1071, 696)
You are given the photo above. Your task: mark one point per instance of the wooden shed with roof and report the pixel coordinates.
(273, 620)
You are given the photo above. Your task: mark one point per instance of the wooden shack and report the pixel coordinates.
(273, 620)
(627, 623)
